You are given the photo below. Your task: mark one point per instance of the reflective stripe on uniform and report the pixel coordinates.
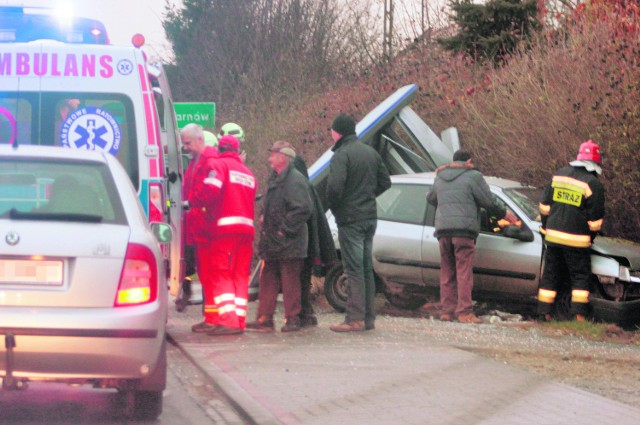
(595, 225)
(572, 184)
(241, 313)
(241, 301)
(544, 208)
(226, 309)
(213, 181)
(243, 179)
(224, 297)
(579, 296)
(568, 239)
(210, 309)
(546, 296)
(227, 221)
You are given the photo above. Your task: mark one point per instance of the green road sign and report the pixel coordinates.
(202, 113)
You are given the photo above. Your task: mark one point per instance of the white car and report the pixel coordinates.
(83, 285)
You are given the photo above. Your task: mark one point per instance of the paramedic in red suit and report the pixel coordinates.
(192, 137)
(225, 192)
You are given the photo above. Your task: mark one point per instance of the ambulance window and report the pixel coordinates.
(16, 120)
(91, 121)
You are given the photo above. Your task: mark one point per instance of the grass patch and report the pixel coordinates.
(605, 332)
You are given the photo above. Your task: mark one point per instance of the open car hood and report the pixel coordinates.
(403, 140)
(618, 248)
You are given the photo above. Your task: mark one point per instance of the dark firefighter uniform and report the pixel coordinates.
(572, 212)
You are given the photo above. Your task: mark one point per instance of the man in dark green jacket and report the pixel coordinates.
(357, 176)
(283, 240)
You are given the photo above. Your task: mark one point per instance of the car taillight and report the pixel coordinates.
(156, 202)
(139, 277)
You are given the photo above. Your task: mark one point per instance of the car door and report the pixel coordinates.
(398, 239)
(505, 266)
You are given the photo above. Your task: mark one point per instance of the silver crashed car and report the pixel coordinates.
(83, 289)
(508, 262)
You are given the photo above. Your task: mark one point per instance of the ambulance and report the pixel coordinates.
(74, 91)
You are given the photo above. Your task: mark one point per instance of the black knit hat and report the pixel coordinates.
(344, 124)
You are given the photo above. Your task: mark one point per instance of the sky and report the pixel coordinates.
(122, 18)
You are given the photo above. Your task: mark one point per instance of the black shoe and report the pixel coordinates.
(308, 321)
(224, 330)
(369, 326)
(202, 327)
(262, 324)
(291, 325)
(544, 317)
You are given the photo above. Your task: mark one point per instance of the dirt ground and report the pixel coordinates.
(608, 365)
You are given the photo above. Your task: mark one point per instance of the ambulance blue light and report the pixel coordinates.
(18, 26)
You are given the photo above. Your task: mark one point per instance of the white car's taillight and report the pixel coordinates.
(139, 277)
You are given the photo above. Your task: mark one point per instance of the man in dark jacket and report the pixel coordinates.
(321, 252)
(458, 193)
(283, 240)
(357, 176)
(572, 212)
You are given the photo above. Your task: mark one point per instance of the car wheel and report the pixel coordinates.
(142, 405)
(335, 288)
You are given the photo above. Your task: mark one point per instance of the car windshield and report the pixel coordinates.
(57, 190)
(527, 198)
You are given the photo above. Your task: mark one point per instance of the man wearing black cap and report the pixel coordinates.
(356, 177)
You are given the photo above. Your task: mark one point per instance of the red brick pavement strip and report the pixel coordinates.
(380, 377)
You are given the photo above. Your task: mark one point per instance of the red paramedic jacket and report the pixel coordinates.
(224, 191)
(192, 217)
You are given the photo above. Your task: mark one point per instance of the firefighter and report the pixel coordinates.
(225, 193)
(236, 131)
(232, 129)
(210, 139)
(572, 211)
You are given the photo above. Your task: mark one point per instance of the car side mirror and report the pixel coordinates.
(162, 232)
(523, 234)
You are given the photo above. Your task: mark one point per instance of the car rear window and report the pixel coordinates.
(59, 191)
(90, 121)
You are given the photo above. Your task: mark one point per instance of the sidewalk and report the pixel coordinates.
(386, 376)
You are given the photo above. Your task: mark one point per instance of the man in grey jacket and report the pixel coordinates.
(357, 176)
(458, 193)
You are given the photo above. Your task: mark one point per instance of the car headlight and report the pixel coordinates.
(624, 274)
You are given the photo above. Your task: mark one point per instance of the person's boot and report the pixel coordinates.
(263, 323)
(185, 295)
(353, 326)
(308, 320)
(292, 324)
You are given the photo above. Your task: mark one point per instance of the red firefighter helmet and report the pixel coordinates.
(589, 151)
